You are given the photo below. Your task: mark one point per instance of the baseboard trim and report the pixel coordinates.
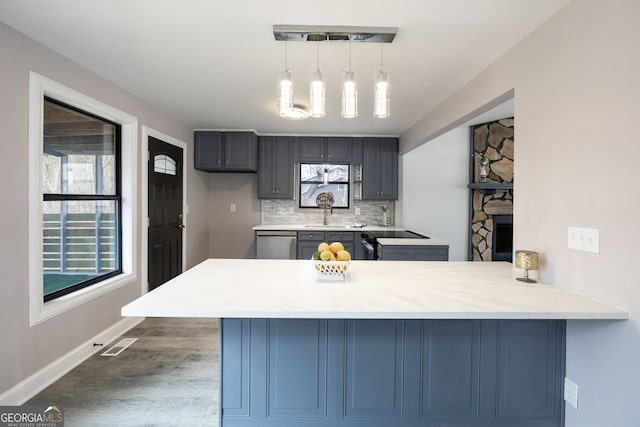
(34, 384)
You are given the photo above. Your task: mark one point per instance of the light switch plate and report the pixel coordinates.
(584, 239)
(571, 392)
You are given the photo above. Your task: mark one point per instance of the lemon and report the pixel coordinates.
(336, 247)
(325, 255)
(324, 246)
(343, 255)
(332, 256)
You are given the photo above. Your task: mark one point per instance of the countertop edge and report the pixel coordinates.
(621, 315)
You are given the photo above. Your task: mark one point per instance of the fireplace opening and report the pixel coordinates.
(502, 240)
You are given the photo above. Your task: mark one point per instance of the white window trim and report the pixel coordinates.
(39, 87)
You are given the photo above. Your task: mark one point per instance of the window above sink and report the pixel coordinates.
(324, 178)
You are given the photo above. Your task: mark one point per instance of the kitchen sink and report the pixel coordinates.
(326, 226)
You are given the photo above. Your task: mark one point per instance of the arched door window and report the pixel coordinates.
(164, 164)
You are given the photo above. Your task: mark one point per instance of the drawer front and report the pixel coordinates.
(339, 236)
(311, 235)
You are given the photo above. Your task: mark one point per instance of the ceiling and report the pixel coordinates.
(212, 64)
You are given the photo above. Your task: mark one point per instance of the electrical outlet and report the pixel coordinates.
(357, 211)
(584, 239)
(232, 207)
(571, 392)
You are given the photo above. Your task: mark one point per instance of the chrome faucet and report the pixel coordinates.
(325, 201)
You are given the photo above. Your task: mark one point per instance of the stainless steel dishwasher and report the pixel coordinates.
(275, 244)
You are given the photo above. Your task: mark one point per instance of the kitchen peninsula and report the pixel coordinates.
(398, 343)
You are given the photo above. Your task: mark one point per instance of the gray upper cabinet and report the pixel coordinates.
(317, 149)
(226, 151)
(275, 172)
(380, 169)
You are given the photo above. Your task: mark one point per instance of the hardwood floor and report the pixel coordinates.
(169, 377)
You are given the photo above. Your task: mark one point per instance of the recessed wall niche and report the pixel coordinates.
(492, 197)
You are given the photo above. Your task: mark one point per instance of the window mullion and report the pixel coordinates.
(47, 197)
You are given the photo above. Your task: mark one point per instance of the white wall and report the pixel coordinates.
(577, 101)
(434, 197)
(25, 350)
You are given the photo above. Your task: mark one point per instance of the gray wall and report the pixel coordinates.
(26, 349)
(231, 234)
(577, 99)
(433, 190)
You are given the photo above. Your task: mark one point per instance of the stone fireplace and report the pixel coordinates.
(492, 200)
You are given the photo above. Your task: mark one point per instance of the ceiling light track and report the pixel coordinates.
(322, 33)
(334, 33)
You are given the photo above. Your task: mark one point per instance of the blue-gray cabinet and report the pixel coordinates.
(413, 252)
(217, 151)
(275, 167)
(380, 168)
(386, 373)
(318, 149)
(308, 241)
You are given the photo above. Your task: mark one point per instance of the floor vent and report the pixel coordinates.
(119, 347)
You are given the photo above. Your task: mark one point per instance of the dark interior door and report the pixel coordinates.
(165, 212)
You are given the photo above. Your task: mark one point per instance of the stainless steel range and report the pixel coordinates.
(369, 240)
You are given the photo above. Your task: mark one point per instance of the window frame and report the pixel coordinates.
(320, 182)
(39, 88)
(117, 197)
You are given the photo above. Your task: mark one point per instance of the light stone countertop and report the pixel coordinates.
(248, 288)
(431, 241)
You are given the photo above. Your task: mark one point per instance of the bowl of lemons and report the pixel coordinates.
(331, 260)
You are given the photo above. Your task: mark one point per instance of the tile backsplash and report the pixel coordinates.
(276, 211)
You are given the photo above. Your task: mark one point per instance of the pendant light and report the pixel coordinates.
(285, 89)
(381, 98)
(317, 90)
(349, 92)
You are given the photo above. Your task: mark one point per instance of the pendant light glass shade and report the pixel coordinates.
(316, 89)
(285, 93)
(381, 97)
(316, 95)
(349, 96)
